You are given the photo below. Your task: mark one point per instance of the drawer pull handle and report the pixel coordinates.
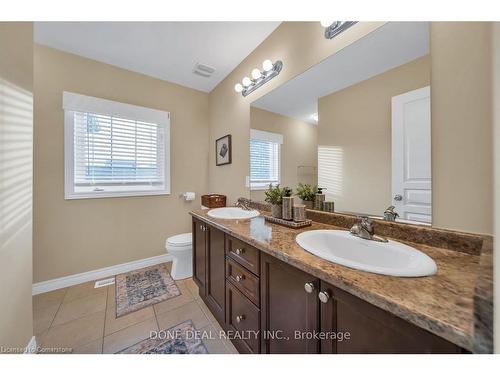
(239, 278)
(309, 287)
(240, 318)
(323, 297)
(239, 251)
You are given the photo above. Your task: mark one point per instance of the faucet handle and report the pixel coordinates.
(366, 223)
(390, 214)
(364, 219)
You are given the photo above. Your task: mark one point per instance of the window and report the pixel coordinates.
(265, 155)
(114, 149)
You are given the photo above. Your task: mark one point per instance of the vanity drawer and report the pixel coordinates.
(246, 255)
(242, 321)
(244, 280)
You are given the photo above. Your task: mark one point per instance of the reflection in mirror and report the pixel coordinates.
(357, 124)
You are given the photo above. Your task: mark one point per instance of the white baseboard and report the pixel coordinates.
(64, 282)
(31, 348)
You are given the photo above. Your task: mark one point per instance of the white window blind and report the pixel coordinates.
(265, 164)
(114, 155)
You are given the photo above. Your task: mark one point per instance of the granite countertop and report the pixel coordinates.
(442, 304)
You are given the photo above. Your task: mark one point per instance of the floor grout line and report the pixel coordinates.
(58, 308)
(105, 317)
(156, 317)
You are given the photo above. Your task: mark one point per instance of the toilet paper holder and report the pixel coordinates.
(188, 196)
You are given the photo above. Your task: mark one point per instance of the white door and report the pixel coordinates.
(411, 155)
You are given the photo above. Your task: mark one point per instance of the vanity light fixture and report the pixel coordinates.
(259, 77)
(333, 28)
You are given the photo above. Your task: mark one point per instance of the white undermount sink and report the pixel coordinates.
(387, 258)
(233, 213)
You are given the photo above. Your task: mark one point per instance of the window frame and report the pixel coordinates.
(104, 107)
(267, 136)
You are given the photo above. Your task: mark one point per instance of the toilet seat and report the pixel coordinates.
(179, 241)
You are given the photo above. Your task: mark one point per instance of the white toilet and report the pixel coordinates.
(181, 249)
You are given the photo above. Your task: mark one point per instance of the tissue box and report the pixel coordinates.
(213, 200)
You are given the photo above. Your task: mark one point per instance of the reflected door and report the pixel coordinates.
(411, 155)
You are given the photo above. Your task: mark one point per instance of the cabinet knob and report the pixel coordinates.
(309, 287)
(239, 251)
(239, 277)
(240, 318)
(323, 296)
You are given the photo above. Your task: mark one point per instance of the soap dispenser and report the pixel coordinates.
(319, 198)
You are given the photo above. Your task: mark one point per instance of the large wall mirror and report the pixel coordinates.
(357, 124)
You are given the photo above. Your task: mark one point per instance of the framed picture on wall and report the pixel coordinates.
(223, 150)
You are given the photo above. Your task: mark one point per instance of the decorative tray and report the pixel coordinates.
(288, 223)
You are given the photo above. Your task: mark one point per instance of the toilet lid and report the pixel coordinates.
(180, 239)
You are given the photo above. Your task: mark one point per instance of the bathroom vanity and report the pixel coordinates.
(279, 298)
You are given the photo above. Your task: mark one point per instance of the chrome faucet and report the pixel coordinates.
(242, 205)
(364, 229)
(390, 214)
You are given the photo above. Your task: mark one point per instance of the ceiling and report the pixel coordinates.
(165, 50)
(389, 46)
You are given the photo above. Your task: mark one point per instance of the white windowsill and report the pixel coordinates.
(261, 187)
(114, 194)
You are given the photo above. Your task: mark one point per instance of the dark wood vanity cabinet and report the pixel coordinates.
(288, 309)
(370, 329)
(208, 267)
(199, 254)
(215, 280)
(273, 307)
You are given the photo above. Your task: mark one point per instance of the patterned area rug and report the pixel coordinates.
(180, 339)
(141, 288)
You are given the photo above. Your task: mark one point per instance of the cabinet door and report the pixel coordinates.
(242, 321)
(287, 309)
(371, 329)
(199, 255)
(215, 281)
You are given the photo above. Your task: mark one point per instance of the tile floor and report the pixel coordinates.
(83, 318)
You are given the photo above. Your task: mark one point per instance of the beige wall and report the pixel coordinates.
(82, 235)
(299, 45)
(16, 166)
(357, 120)
(461, 126)
(299, 149)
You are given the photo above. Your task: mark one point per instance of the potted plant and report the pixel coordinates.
(274, 196)
(307, 192)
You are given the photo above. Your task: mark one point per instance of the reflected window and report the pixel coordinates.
(265, 159)
(330, 160)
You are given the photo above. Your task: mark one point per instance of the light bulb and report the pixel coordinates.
(256, 73)
(238, 87)
(267, 65)
(246, 82)
(325, 24)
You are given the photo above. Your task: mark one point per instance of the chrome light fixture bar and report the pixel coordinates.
(334, 28)
(259, 78)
